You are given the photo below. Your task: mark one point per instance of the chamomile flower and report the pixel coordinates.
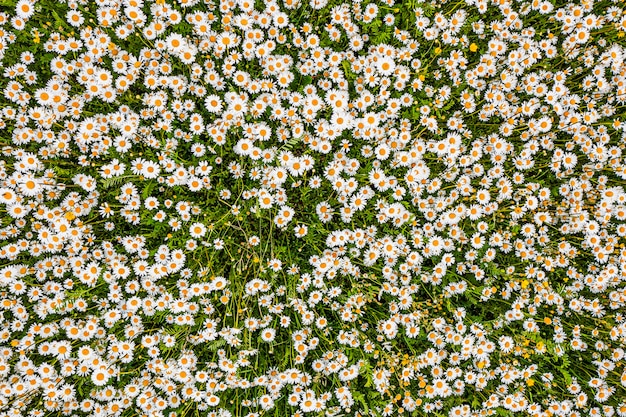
(268, 334)
(29, 185)
(150, 170)
(75, 18)
(25, 8)
(100, 376)
(385, 65)
(197, 230)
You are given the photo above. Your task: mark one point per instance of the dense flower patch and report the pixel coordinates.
(324, 207)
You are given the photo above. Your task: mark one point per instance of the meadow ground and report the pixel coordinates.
(312, 208)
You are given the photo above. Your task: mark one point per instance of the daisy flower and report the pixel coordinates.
(385, 65)
(25, 8)
(301, 230)
(29, 185)
(100, 376)
(197, 230)
(150, 169)
(268, 335)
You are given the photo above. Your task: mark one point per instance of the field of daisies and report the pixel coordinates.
(247, 208)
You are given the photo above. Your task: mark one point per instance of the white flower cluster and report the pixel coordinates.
(232, 207)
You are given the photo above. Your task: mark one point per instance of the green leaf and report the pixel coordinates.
(147, 190)
(113, 182)
(428, 10)
(58, 20)
(382, 37)
(214, 346)
(291, 143)
(358, 395)
(566, 376)
(304, 81)
(347, 69)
